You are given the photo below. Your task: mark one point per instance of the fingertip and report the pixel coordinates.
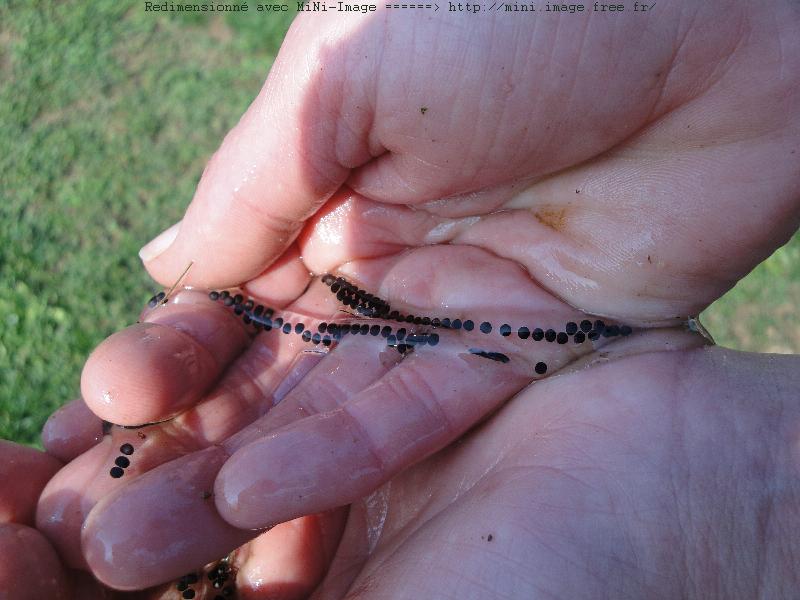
(289, 561)
(145, 373)
(114, 464)
(284, 280)
(273, 170)
(154, 370)
(24, 472)
(161, 525)
(65, 501)
(86, 587)
(71, 431)
(223, 247)
(29, 566)
(298, 470)
(159, 244)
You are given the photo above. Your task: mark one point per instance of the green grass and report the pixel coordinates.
(762, 313)
(107, 116)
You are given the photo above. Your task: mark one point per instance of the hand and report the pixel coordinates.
(577, 489)
(627, 221)
(655, 475)
(30, 568)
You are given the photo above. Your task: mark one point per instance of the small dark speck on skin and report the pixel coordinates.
(577, 191)
(207, 495)
(650, 260)
(423, 109)
(495, 356)
(489, 538)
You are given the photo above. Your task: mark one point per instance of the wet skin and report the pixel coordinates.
(636, 186)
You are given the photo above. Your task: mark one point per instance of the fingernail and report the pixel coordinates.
(156, 247)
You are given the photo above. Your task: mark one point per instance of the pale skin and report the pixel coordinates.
(633, 167)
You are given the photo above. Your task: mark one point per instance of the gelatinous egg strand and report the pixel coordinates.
(217, 575)
(369, 305)
(122, 462)
(156, 300)
(327, 334)
(184, 585)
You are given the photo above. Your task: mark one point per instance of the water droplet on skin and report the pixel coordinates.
(377, 505)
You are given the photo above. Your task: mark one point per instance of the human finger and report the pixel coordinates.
(109, 537)
(288, 562)
(126, 453)
(390, 425)
(24, 472)
(521, 293)
(29, 567)
(272, 171)
(260, 377)
(153, 370)
(71, 431)
(417, 407)
(264, 373)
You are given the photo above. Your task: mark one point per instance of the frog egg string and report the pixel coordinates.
(217, 575)
(122, 462)
(156, 300)
(327, 334)
(370, 306)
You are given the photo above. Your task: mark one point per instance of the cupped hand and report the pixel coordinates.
(647, 475)
(467, 168)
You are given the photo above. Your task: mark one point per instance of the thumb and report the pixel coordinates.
(274, 169)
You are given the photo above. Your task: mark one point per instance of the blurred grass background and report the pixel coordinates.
(107, 117)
